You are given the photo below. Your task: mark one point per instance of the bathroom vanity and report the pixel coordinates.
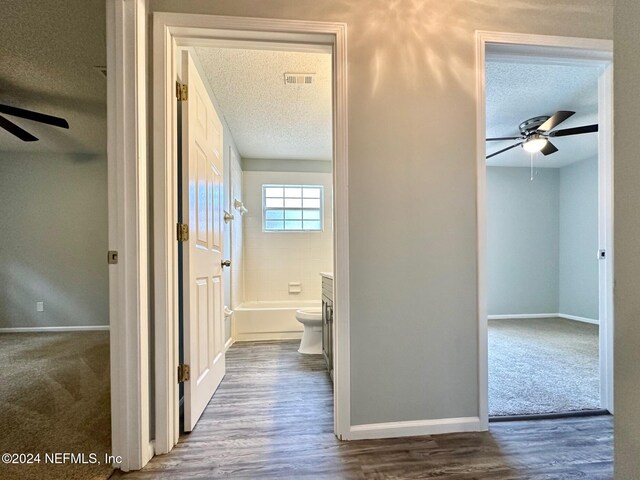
(327, 320)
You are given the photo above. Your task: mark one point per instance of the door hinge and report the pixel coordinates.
(183, 232)
(182, 93)
(183, 373)
(112, 257)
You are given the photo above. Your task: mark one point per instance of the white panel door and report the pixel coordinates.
(202, 252)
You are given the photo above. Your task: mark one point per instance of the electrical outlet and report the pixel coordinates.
(39, 306)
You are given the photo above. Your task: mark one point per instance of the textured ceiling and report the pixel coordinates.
(49, 50)
(267, 118)
(517, 92)
(48, 59)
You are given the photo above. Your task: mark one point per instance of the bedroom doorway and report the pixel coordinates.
(545, 276)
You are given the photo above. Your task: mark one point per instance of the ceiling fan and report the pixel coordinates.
(19, 132)
(535, 133)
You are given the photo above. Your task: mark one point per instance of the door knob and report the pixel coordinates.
(225, 263)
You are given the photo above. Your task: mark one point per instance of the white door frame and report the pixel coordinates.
(128, 231)
(172, 31)
(565, 50)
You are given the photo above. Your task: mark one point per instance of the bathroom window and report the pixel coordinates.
(292, 208)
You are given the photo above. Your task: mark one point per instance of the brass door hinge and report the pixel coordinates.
(182, 93)
(183, 373)
(183, 232)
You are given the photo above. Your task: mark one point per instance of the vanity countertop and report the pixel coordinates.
(327, 275)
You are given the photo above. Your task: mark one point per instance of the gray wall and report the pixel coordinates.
(412, 185)
(579, 281)
(626, 238)
(54, 240)
(523, 240)
(542, 239)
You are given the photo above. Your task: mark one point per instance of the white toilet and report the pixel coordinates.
(311, 318)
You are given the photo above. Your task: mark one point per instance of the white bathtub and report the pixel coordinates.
(268, 320)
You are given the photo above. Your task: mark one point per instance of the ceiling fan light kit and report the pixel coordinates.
(535, 143)
(535, 133)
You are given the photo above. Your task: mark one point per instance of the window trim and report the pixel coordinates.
(295, 185)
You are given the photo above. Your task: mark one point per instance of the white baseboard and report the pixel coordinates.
(543, 315)
(579, 319)
(152, 449)
(415, 428)
(85, 328)
(260, 336)
(522, 315)
(230, 342)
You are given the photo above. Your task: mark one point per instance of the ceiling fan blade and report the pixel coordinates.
(549, 148)
(16, 130)
(35, 116)
(503, 150)
(504, 138)
(555, 120)
(574, 131)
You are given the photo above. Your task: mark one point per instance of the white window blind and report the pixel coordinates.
(296, 208)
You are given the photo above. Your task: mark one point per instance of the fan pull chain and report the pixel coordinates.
(531, 155)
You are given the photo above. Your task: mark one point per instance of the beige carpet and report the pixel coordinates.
(55, 397)
(542, 365)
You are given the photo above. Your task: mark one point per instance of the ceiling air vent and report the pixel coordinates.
(298, 78)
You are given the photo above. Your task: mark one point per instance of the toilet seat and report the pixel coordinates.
(311, 313)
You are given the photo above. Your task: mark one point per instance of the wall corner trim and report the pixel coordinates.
(415, 428)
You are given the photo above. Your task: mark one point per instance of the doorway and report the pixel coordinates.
(266, 135)
(553, 54)
(171, 33)
(54, 310)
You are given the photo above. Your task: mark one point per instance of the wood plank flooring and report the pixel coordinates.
(271, 418)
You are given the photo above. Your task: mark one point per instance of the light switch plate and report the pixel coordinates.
(39, 306)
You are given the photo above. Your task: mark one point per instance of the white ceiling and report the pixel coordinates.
(49, 50)
(519, 91)
(267, 118)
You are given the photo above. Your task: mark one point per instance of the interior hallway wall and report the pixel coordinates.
(626, 234)
(412, 185)
(236, 240)
(53, 209)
